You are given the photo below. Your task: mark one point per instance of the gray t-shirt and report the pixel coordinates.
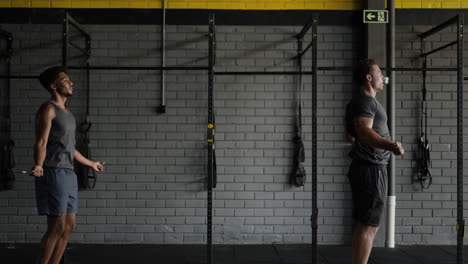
(61, 143)
(363, 105)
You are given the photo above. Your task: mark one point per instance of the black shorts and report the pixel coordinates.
(369, 187)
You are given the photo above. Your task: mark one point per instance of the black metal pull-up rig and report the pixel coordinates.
(84, 144)
(458, 22)
(211, 165)
(312, 25)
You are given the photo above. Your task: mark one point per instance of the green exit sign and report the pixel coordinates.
(375, 16)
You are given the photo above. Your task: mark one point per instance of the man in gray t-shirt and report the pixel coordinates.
(54, 152)
(366, 128)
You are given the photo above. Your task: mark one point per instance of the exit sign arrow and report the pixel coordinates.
(370, 16)
(375, 16)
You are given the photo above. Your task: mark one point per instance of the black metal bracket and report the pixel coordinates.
(86, 51)
(439, 48)
(301, 35)
(306, 27)
(432, 31)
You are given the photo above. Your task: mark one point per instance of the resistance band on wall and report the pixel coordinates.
(298, 175)
(423, 174)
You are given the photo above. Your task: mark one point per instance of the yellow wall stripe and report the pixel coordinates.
(229, 4)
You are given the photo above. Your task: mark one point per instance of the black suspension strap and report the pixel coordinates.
(85, 173)
(423, 174)
(298, 174)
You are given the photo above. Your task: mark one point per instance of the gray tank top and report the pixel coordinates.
(61, 142)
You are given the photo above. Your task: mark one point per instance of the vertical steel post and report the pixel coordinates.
(299, 80)
(460, 220)
(9, 49)
(210, 139)
(65, 41)
(88, 81)
(391, 198)
(314, 140)
(162, 108)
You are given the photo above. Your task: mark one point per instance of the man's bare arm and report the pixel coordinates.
(367, 135)
(44, 118)
(348, 136)
(95, 165)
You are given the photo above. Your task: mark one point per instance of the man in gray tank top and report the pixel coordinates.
(366, 128)
(54, 152)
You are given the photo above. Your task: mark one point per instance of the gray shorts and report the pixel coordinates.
(57, 192)
(369, 188)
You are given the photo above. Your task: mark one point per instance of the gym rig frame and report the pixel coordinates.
(312, 24)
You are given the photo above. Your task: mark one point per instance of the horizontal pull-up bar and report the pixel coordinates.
(422, 69)
(19, 77)
(77, 25)
(263, 73)
(325, 69)
(439, 48)
(139, 68)
(438, 28)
